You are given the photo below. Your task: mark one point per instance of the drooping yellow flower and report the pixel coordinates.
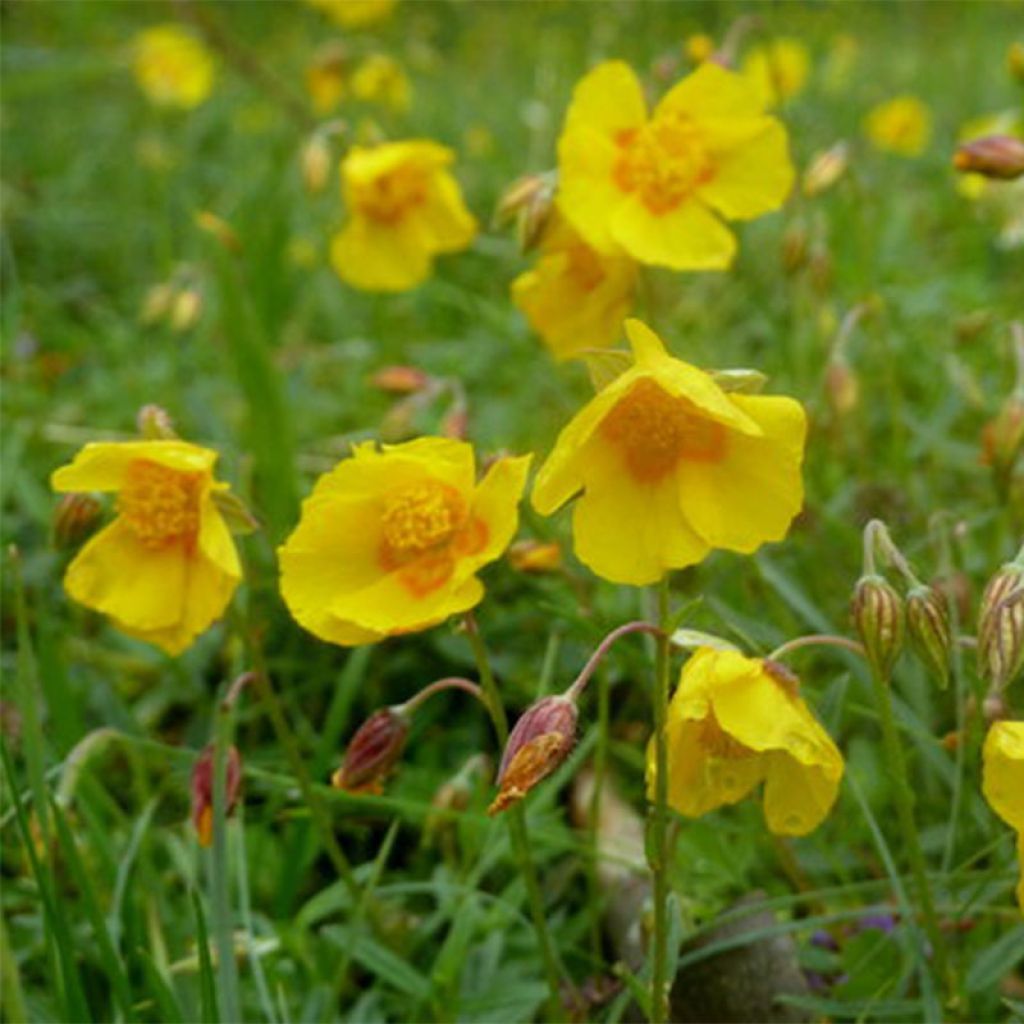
(902, 125)
(380, 79)
(777, 70)
(355, 13)
(1003, 782)
(669, 466)
(325, 78)
(390, 540)
(173, 68)
(654, 185)
(735, 722)
(404, 206)
(166, 567)
(575, 297)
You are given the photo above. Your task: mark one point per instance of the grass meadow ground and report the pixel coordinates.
(264, 355)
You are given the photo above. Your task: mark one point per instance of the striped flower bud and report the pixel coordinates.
(877, 612)
(77, 515)
(202, 790)
(930, 634)
(373, 752)
(1001, 627)
(994, 156)
(539, 743)
(528, 203)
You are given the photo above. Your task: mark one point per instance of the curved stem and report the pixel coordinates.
(817, 640)
(516, 819)
(448, 683)
(579, 683)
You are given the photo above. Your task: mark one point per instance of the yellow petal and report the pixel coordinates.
(496, 504)
(752, 178)
(608, 100)
(797, 797)
(443, 222)
(587, 191)
(101, 465)
(711, 92)
(1003, 771)
(363, 165)
(380, 257)
(215, 540)
(688, 237)
(752, 495)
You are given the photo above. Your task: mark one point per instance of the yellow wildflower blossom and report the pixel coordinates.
(404, 206)
(575, 297)
(173, 68)
(734, 722)
(380, 79)
(355, 13)
(166, 567)
(699, 47)
(777, 70)
(902, 125)
(325, 78)
(1003, 782)
(671, 466)
(390, 540)
(650, 184)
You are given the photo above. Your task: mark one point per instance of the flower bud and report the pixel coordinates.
(186, 308)
(825, 169)
(877, 611)
(994, 156)
(455, 422)
(699, 47)
(1001, 627)
(539, 743)
(528, 202)
(842, 386)
(202, 790)
(75, 518)
(372, 752)
(795, 243)
(154, 423)
(315, 160)
(400, 380)
(1002, 438)
(156, 303)
(535, 557)
(1015, 60)
(220, 229)
(928, 628)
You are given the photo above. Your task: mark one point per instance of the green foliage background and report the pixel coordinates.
(99, 919)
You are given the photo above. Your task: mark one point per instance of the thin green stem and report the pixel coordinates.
(220, 881)
(516, 819)
(905, 813)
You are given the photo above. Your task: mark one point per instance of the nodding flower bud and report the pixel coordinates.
(994, 156)
(539, 743)
(373, 752)
(400, 380)
(930, 634)
(535, 556)
(75, 517)
(825, 169)
(154, 423)
(528, 202)
(1001, 626)
(877, 611)
(202, 790)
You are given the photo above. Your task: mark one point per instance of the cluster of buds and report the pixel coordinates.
(202, 790)
(528, 203)
(177, 302)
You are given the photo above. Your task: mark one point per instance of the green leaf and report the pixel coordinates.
(207, 986)
(996, 961)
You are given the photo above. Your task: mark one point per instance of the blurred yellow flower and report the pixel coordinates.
(325, 78)
(575, 298)
(1003, 782)
(777, 70)
(699, 47)
(404, 206)
(735, 722)
(173, 68)
(671, 466)
(902, 125)
(380, 79)
(355, 13)
(390, 540)
(166, 567)
(649, 184)
(840, 62)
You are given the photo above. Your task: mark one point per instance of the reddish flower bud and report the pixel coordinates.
(400, 380)
(372, 752)
(75, 517)
(539, 743)
(1001, 627)
(877, 612)
(995, 156)
(202, 790)
(534, 556)
(930, 634)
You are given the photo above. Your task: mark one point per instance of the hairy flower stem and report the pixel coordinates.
(657, 851)
(817, 640)
(516, 819)
(580, 682)
(905, 813)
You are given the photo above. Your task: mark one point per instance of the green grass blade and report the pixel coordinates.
(207, 985)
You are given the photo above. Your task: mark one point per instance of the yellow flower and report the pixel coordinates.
(380, 79)
(390, 540)
(649, 184)
(575, 297)
(325, 78)
(1003, 782)
(670, 466)
(902, 125)
(355, 13)
(699, 47)
(172, 67)
(166, 567)
(735, 722)
(777, 70)
(404, 206)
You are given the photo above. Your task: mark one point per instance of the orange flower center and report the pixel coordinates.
(424, 528)
(716, 742)
(664, 162)
(655, 431)
(389, 197)
(160, 505)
